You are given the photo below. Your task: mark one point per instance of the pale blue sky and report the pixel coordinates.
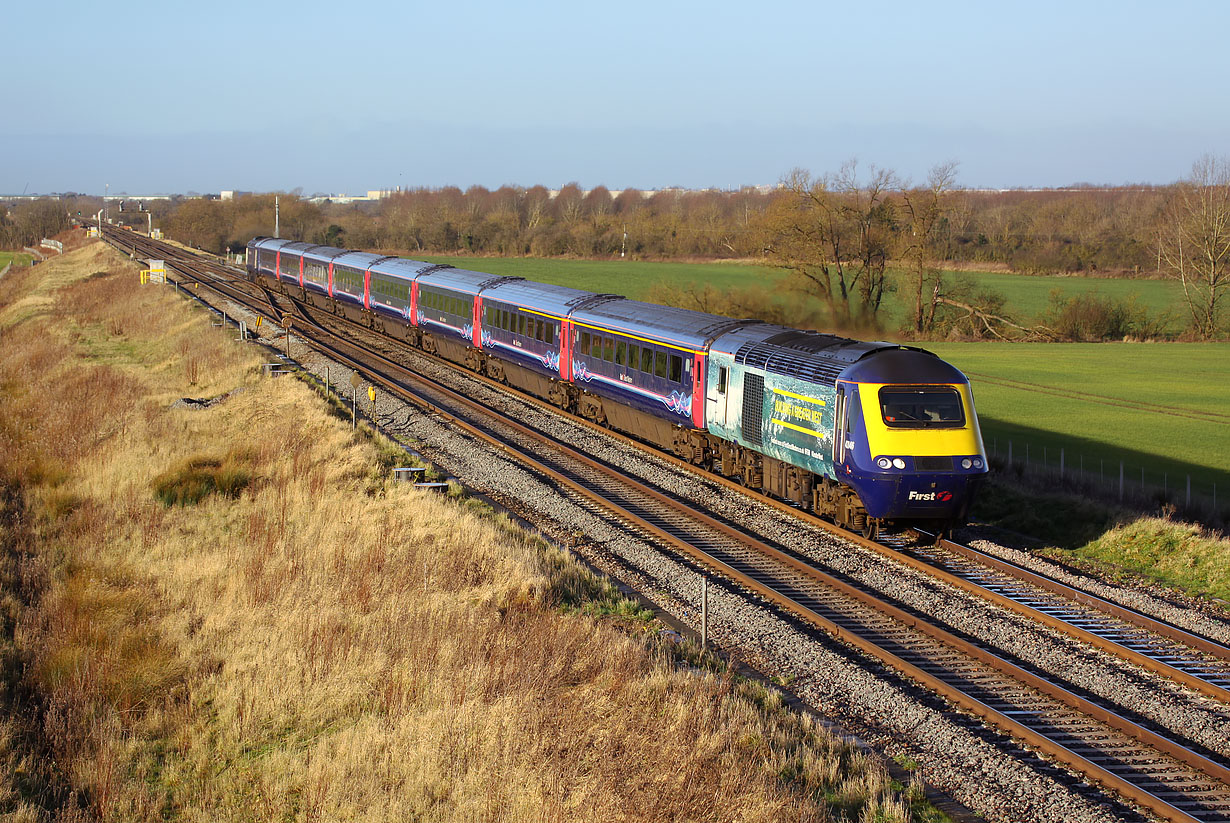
(343, 97)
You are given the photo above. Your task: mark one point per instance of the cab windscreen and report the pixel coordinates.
(921, 408)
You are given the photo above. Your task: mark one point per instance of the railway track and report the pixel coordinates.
(1168, 777)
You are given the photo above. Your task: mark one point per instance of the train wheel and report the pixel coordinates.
(871, 528)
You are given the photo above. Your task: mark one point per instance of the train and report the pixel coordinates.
(871, 435)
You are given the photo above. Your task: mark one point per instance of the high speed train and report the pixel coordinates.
(868, 434)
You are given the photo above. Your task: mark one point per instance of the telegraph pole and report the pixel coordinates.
(277, 217)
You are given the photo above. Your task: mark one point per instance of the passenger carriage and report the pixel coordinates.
(525, 334)
(649, 360)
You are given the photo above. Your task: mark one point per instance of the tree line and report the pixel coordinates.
(25, 224)
(846, 238)
(1107, 230)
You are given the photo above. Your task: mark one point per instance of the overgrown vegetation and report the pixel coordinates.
(324, 644)
(1095, 318)
(1177, 554)
(192, 480)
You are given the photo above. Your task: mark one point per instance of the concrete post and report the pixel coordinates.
(704, 613)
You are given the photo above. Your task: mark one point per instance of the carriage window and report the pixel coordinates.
(634, 355)
(721, 380)
(585, 342)
(647, 360)
(660, 366)
(676, 369)
(540, 329)
(608, 349)
(550, 334)
(621, 353)
(921, 408)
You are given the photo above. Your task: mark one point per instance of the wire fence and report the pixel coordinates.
(1121, 481)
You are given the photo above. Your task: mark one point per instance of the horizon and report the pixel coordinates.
(385, 193)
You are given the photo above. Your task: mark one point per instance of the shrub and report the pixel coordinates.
(194, 479)
(1092, 318)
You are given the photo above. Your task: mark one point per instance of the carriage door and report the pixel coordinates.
(839, 436)
(717, 395)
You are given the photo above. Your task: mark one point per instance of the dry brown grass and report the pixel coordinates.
(324, 645)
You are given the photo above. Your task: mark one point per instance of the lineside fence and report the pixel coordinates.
(1115, 481)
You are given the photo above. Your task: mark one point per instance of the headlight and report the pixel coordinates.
(898, 463)
(966, 463)
(884, 462)
(977, 462)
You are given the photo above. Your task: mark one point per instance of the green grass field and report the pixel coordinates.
(1162, 407)
(1027, 295)
(15, 257)
(631, 278)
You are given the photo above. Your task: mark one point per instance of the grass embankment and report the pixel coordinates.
(1177, 554)
(1111, 541)
(230, 613)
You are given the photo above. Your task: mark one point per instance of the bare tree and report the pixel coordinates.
(926, 211)
(1194, 242)
(833, 234)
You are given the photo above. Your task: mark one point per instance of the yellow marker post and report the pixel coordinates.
(371, 395)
